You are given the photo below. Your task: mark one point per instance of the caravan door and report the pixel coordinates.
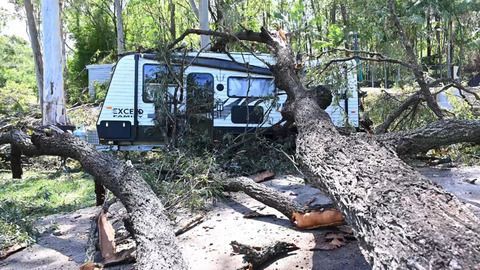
(199, 107)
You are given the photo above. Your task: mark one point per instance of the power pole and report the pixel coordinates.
(204, 39)
(53, 109)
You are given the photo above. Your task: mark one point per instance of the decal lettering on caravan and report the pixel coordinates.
(125, 112)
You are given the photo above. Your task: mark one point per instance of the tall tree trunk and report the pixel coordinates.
(333, 13)
(438, 38)
(53, 89)
(36, 49)
(429, 33)
(119, 23)
(315, 14)
(450, 49)
(194, 7)
(173, 31)
(204, 39)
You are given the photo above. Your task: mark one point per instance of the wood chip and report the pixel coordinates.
(255, 214)
(263, 176)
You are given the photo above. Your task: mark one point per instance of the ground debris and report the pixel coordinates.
(263, 176)
(317, 219)
(255, 214)
(259, 257)
(4, 253)
(192, 223)
(334, 240)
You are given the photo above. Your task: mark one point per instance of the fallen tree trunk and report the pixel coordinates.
(401, 219)
(156, 243)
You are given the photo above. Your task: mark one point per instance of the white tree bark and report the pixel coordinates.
(194, 8)
(204, 39)
(36, 49)
(53, 91)
(120, 34)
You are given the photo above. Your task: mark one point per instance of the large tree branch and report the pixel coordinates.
(156, 243)
(372, 59)
(434, 135)
(247, 36)
(411, 100)
(412, 59)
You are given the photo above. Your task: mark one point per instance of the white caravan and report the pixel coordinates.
(232, 93)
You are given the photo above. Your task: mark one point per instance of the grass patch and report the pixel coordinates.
(39, 193)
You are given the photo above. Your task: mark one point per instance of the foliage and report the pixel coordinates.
(379, 106)
(16, 99)
(186, 177)
(84, 116)
(247, 154)
(181, 179)
(17, 77)
(92, 28)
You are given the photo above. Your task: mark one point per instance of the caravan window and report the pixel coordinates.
(156, 78)
(250, 87)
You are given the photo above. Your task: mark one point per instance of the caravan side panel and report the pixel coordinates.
(117, 114)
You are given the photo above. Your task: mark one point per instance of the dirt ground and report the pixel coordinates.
(207, 246)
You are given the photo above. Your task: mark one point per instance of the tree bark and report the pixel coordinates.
(36, 49)
(402, 220)
(194, 7)
(263, 194)
(119, 23)
(173, 30)
(303, 218)
(203, 16)
(53, 109)
(100, 193)
(156, 243)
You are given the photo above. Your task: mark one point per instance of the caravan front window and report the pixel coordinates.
(250, 87)
(156, 79)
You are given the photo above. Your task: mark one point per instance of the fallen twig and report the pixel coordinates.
(11, 250)
(192, 223)
(259, 257)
